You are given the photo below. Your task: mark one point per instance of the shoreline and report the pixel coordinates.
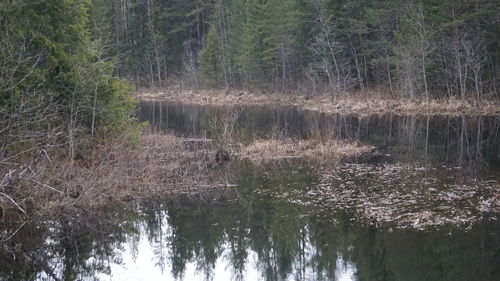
(164, 165)
(371, 104)
(170, 167)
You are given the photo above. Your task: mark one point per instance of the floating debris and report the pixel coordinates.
(404, 195)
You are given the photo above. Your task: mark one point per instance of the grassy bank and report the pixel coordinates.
(366, 103)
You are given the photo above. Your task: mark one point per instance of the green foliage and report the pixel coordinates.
(271, 43)
(210, 63)
(66, 54)
(250, 59)
(53, 70)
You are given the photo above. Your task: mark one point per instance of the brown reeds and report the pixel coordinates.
(363, 103)
(166, 165)
(322, 151)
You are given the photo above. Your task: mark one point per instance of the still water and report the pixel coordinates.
(261, 229)
(452, 140)
(249, 233)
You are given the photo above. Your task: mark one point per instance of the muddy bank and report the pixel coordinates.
(359, 103)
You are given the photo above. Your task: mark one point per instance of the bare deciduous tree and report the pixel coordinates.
(189, 63)
(414, 44)
(328, 55)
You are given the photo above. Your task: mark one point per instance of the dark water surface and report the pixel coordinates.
(249, 233)
(470, 141)
(262, 229)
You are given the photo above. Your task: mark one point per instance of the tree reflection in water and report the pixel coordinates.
(467, 141)
(252, 234)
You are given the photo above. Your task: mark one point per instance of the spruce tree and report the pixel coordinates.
(209, 62)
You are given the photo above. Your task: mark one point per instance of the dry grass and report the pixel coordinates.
(371, 106)
(165, 166)
(366, 103)
(320, 151)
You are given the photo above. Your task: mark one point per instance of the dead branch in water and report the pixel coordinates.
(165, 165)
(222, 128)
(14, 232)
(11, 200)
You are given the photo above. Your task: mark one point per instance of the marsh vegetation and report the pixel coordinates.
(249, 140)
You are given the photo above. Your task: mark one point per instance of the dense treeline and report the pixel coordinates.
(423, 48)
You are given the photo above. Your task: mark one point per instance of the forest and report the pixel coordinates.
(81, 59)
(238, 139)
(418, 49)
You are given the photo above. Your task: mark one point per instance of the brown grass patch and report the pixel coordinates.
(321, 151)
(165, 166)
(365, 103)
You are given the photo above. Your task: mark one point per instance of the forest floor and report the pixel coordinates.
(367, 103)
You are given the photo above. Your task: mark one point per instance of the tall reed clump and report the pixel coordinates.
(222, 129)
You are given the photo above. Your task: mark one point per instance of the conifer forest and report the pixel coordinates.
(418, 48)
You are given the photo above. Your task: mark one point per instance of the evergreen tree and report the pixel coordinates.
(447, 47)
(210, 60)
(250, 59)
(54, 75)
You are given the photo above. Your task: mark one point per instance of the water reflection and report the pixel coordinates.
(254, 234)
(470, 141)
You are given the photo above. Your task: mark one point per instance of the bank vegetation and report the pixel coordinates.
(359, 103)
(316, 151)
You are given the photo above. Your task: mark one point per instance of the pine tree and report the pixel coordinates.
(210, 62)
(250, 60)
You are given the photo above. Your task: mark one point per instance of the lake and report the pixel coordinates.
(272, 226)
